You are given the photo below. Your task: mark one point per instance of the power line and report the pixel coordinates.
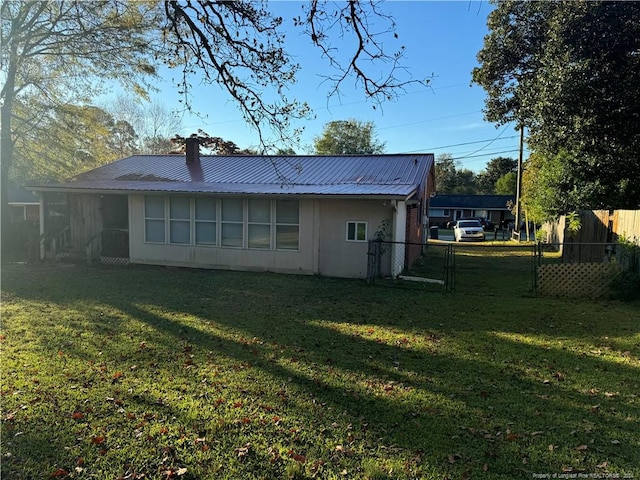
(480, 149)
(461, 144)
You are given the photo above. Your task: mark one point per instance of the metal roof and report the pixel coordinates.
(381, 175)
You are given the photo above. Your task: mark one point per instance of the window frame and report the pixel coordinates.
(270, 224)
(356, 224)
(277, 224)
(277, 229)
(181, 220)
(215, 222)
(162, 219)
(242, 223)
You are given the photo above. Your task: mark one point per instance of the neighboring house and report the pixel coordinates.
(296, 214)
(23, 205)
(446, 208)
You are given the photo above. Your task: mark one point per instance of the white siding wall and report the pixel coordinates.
(339, 257)
(324, 248)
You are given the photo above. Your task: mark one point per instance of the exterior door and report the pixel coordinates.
(115, 222)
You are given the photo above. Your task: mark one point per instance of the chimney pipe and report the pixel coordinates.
(193, 150)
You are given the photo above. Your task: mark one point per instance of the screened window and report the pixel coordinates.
(154, 221)
(232, 222)
(180, 220)
(357, 231)
(287, 225)
(259, 224)
(205, 220)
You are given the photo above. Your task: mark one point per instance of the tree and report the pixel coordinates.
(63, 50)
(239, 46)
(215, 145)
(451, 178)
(341, 137)
(153, 123)
(79, 138)
(55, 53)
(507, 184)
(445, 168)
(495, 169)
(568, 72)
(465, 182)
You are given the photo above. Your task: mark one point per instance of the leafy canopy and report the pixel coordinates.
(568, 71)
(341, 137)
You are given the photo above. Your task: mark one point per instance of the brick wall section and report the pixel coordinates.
(413, 236)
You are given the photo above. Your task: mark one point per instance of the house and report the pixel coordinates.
(450, 207)
(294, 214)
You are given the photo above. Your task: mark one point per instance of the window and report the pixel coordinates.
(205, 220)
(154, 219)
(259, 224)
(180, 220)
(287, 225)
(356, 231)
(439, 212)
(232, 222)
(254, 223)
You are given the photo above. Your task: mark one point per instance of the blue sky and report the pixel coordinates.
(442, 40)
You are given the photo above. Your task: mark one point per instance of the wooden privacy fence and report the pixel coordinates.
(596, 227)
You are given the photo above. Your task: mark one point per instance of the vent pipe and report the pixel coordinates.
(193, 150)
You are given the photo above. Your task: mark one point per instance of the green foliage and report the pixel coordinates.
(626, 285)
(547, 189)
(573, 223)
(541, 235)
(496, 169)
(352, 136)
(451, 178)
(79, 138)
(567, 71)
(507, 184)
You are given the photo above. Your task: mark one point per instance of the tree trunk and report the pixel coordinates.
(6, 148)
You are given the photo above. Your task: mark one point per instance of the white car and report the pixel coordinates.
(468, 230)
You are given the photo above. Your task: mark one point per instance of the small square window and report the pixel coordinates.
(356, 231)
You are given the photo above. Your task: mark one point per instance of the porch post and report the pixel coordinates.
(41, 238)
(399, 237)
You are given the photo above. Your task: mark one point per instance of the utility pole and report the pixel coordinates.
(516, 229)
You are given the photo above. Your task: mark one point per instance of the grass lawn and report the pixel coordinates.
(155, 373)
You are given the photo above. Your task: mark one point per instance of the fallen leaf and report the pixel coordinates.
(582, 447)
(77, 415)
(60, 472)
(243, 451)
(97, 440)
(181, 471)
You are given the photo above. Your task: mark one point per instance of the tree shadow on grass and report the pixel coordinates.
(445, 406)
